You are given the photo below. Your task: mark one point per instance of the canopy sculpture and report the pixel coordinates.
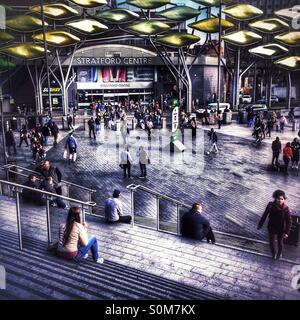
(148, 4)
(57, 38)
(178, 39)
(88, 4)
(288, 13)
(211, 3)
(269, 51)
(242, 12)
(179, 13)
(25, 51)
(118, 15)
(87, 26)
(211, 25)
(56, 11)
(269, 25)
(291, 39)
(148, 27)
(25, 23)
(6, 65)
(5, 37)
(291, 63)
(242, 38)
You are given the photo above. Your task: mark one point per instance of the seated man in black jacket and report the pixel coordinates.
(48, 185)
(194, 225)
(28, 195)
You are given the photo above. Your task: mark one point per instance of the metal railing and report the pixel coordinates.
(15, 169)
(159, 196)
(15, 189)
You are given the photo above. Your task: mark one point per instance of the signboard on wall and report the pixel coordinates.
(114, 85)
(111, 61)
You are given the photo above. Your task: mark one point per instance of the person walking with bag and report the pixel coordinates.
(287, 153)
(125, 163)
(213, 138)
(71, 148)
(279, 224)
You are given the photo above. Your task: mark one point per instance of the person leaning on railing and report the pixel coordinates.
(74, 242)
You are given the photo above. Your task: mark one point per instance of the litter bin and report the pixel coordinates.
(293, 238)
(14, 124)
(294, 125)
(227, 117)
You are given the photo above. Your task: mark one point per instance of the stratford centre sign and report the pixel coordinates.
(114, 85)
(113, 61)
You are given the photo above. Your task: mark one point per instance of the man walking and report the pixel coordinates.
(195, 226)
(70, 122)
(213, 138)
(114, 209)
(126, 161)
(71, 146)
(54, 131)
(143, 160)
(91, 124)
(276, 148)
(10, 141)
(23, 136)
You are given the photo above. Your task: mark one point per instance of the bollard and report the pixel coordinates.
(164, 123)
(294, 125)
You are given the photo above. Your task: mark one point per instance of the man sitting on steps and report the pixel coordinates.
(195, 226)
(114, 209)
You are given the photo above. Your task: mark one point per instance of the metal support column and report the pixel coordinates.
(157, 213)
(48, 221)
(18, 211)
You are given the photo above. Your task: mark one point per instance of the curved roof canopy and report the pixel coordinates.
(87, 26)
(179, 13)
(178, 39)
(291, 63)
(211, 25)
(57, 38)
(242, 38)
(291, 38)
(25, 23)
(56, 11)
(242, 11)
(118, 15)
(89, 3)
(5, 37)
(148, 4)
(148, 27)
(271, 50)
(25, 51)
(269, 25)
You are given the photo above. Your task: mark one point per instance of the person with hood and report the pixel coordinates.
(279, 224)
(71, 147)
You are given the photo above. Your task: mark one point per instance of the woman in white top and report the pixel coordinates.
(73, 239)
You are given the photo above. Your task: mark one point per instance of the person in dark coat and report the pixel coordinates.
(46, 133)
(47, 170)
(91, 124)
(23, 136)
(10, 141)
(279, 224)
(195, 226)
(54, 131)
(276, 148)
(28, 195)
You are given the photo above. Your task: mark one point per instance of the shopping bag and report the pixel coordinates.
(65, 154)
(74, 156)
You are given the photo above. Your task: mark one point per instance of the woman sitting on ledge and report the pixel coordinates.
(73, 239)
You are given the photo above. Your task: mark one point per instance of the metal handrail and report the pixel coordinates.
(18, 188)
(133, 188)
(88, 203)
(157, 194)
(8, 166)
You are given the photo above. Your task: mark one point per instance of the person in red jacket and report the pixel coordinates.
(280, 221)
(287, 153)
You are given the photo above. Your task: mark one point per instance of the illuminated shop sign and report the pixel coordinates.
(112, 85)
(127, 61)
(55, 91)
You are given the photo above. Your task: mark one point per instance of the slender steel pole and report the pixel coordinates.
(132, 207)
(46, 56)
(289, 89)
(178, 219)
(18, 211)
(48, 221)
(157, 213)
(219, 58)
(3, 126)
